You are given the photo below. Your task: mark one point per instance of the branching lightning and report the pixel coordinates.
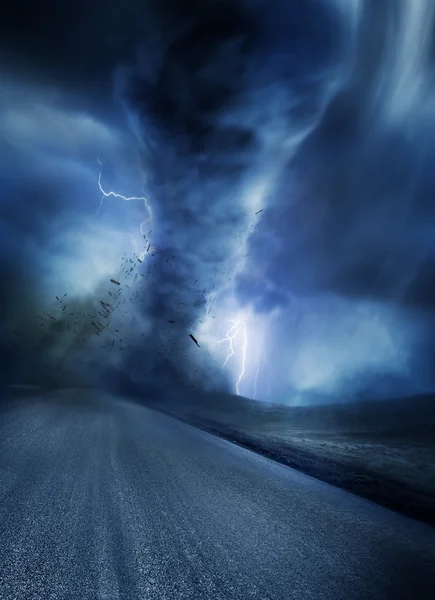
(230, 336)
(127, 198)
(256, 376)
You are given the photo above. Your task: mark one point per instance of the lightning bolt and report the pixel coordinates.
(256, 377)
(245, 343)
(230, 336)
(126, 198)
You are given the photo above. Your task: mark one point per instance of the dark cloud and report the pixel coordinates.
(317, 114)
(361, 224)
(354, 215)
(56, 38)
(182, 105)
(200, 95)
(201, 71)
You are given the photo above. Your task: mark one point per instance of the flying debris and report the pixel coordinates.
(171, 321)
(191, 336)
(259, 211)
(97, 327)
(114, 281)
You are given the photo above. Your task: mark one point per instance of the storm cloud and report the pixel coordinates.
(283, 150)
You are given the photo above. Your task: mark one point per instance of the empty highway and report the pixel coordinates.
(101, 498)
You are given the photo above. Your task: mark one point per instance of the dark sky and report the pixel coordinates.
(198, 115)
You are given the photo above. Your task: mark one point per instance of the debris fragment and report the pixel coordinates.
(196, 342)
(259, 211)
(114, 281)
(171, 321)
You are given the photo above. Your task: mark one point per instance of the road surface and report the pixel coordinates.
(104, 499)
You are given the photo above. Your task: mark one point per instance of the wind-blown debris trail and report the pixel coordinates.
(94, 316)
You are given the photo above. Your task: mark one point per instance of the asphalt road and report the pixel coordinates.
(104, 499)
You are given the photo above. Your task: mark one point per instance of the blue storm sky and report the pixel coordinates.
(281, 153)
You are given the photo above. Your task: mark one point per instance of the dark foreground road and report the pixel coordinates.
(103, 499)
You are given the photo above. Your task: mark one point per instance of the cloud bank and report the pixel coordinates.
(284, 150)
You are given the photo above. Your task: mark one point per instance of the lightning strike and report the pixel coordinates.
(242, 372)
(230, 336)
(256, 378)
(126, 198)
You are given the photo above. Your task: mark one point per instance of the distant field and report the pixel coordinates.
(384, 451)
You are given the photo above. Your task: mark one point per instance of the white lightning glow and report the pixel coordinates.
(126, 198)
(230, 336)
(244, 348)
(256, 380)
